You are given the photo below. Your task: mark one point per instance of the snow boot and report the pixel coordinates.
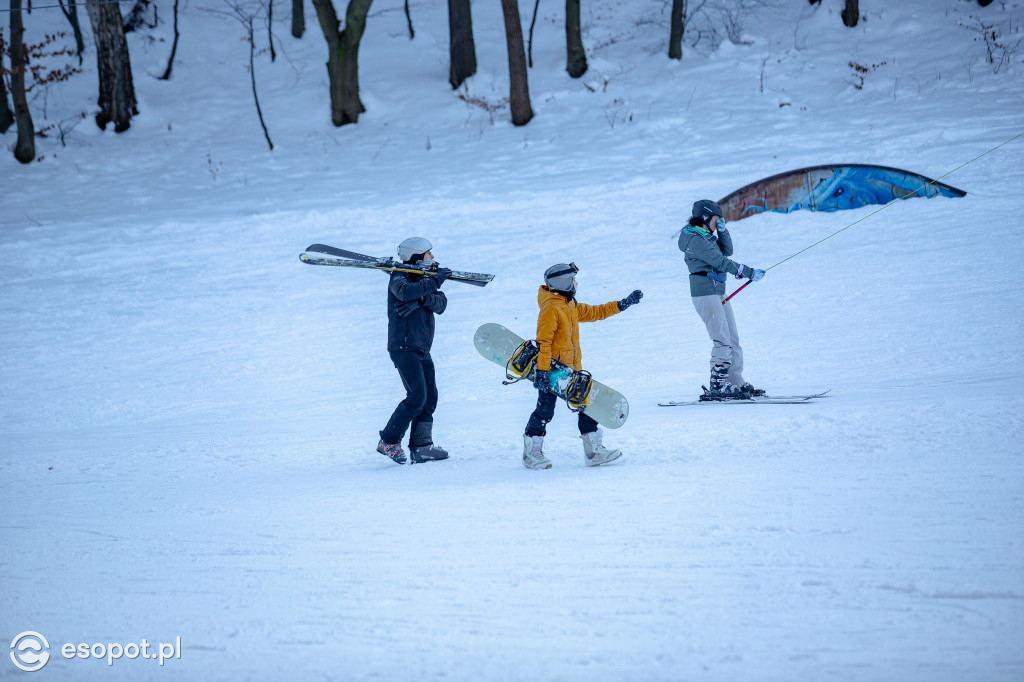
(393, 451)
(533, 453)
(421, 445)
(595, 453)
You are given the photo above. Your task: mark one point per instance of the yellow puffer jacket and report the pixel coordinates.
(558, 327)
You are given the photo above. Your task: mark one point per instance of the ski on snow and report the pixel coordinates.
(321, 254)
(756, 400)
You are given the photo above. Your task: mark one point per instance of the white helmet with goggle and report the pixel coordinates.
(561, 277)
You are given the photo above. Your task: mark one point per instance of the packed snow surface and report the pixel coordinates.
(188, 414)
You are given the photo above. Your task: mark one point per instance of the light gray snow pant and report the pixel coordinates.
(725, 339)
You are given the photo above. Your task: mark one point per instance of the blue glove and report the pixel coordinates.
(753, 274)
(442, 275)
(717, 276)
(542, 380)
(632, 299)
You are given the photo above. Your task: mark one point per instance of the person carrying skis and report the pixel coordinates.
(413, 300)
(707, 245)
(558, 337)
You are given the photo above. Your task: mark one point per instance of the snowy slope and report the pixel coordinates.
(188, 413)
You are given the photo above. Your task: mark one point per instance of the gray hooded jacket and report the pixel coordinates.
(707, 253)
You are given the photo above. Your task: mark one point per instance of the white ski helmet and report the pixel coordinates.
(413, 248)
(561, 277)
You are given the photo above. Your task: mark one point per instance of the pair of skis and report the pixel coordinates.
(754, 400)
(321, 254)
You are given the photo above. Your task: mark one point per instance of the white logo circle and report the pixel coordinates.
(36, 658)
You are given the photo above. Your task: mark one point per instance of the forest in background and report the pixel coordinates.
(31, 64)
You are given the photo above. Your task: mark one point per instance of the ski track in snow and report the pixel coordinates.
(188, 413)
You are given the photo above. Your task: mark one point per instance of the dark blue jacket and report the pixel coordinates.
(416, 331)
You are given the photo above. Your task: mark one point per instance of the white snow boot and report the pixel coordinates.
(533, 453)
(597, 454)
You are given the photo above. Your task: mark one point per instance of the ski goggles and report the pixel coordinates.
(571, 270)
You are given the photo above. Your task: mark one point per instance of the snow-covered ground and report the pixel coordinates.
(188, 413)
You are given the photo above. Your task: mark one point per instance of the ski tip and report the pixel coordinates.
(311, 258)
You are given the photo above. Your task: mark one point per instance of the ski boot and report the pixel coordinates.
(393, 451)
(721, 389)
(595, 453)
(421, 445)
(426, 453)
(533, 453)
(749, 388)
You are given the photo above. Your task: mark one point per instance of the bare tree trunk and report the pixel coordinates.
(519, 89)
(25, 149)
(408, 20)
(298, 19)
(270, 31)
(6, 115)
(851, 13)
(343, 57)
(117, 90)
(174, 46)
(252, 76)
(576, 58)
(461, 48)
(529, 41)
(675, 39)
(71, 13)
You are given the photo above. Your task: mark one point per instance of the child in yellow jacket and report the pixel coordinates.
(558, 337)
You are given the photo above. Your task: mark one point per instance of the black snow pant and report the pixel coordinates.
(417, 372)
(546, 410)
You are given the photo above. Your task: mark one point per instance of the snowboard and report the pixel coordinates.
(755, 400)
(321, 254)
(604, 405)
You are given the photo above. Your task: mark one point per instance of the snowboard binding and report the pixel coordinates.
(522, 361)
(578, 390)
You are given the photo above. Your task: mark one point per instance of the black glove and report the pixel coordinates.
(442, 275)
(541, 380)
(406, 308)
(632, 299)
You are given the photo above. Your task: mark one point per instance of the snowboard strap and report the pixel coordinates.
(578, 390)
(521, 362)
